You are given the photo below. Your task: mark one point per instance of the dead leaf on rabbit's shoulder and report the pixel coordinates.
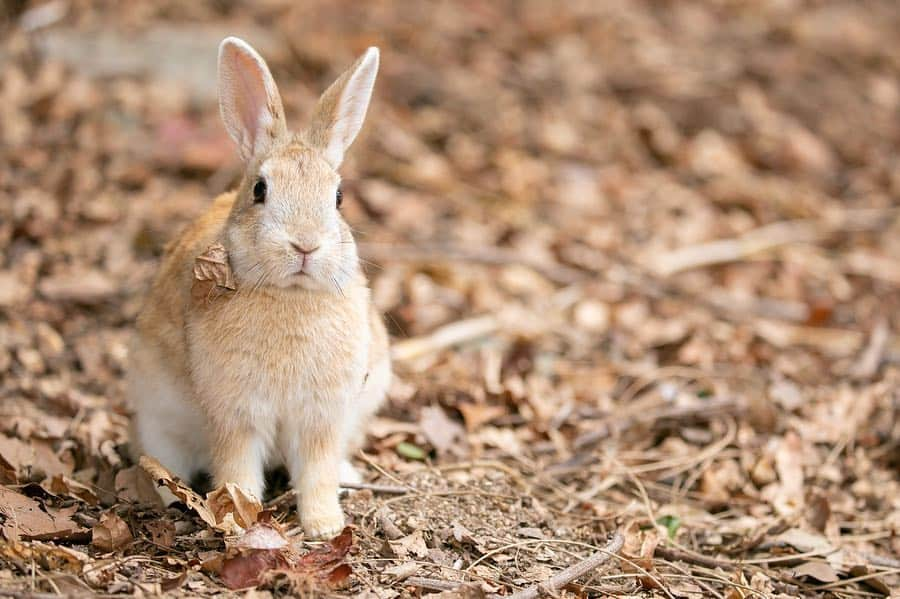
(212, 275)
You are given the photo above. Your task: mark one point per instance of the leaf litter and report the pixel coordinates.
(640, 262)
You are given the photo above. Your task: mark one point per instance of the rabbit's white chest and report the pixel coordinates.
(287, 356)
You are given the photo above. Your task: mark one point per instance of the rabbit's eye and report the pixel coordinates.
(259, 191)
(339, 197)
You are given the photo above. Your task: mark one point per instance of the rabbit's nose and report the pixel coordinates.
(305, 252)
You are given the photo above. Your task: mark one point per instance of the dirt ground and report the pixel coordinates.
(640, 260)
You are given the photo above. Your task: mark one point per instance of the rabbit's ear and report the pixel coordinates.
(341, 109)
(248, 99)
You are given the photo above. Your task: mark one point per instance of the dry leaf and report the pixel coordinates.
(134, 484)
(875, 582)
(477, 414)
(640, 546)
(804, 541)
(246, 570)
(163, 477)
(212, 275)
(110, 533)
(32, 460)
(446, 435)
(789, 465)
(26, 519)
(319, 566)
(410, 545)
(817, 570)
(234, 508)
(63, 485)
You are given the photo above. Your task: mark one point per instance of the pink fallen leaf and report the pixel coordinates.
(321, 566)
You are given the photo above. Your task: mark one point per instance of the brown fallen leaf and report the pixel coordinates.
(170, 584)
(212, 275)
(33, 460)
(875, 582)
(163, 477)
(134, 484)
(229, 509)
(63, 485)
(234, 508)
(7, 473)
(820, 571)
(788, 497)
(687, 590)
(445, 435)
(110, 533)
(477, 414)
(410, 545)
(26, 519)
(640, 546)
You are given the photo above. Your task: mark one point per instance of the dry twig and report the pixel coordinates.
(446, 336)
(564, 577)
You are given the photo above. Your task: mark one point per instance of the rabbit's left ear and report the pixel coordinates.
(341, 110)
(248, 99)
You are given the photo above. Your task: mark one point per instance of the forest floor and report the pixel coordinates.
(640, 261)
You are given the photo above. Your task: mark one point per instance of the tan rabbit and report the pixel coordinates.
(288, 368)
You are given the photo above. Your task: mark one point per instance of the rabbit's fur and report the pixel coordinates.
(287, 368)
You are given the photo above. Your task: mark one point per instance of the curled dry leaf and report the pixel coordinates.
(110, 533)
(229, 509)
(640, 545)
(163, 477)
(235, 509)
(63, 485)
(212, 275)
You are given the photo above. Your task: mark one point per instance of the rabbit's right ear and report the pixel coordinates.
(249, 102)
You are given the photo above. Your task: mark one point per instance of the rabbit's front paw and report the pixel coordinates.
(324, 528)
(324, 521)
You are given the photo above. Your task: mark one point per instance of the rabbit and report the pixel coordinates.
(288, 368)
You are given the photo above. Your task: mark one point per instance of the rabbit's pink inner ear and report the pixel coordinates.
(249, 100)
(250, 97)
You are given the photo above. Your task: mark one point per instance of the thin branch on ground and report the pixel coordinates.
(564, 577)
